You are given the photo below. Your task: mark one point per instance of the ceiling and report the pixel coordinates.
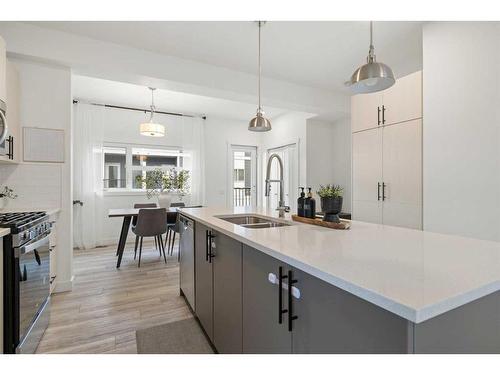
(316, 54)
(103, 91)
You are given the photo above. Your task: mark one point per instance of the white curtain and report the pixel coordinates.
(193, 143)
(87, 174)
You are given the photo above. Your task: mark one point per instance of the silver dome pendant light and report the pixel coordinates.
(373, 76)
(259, 123)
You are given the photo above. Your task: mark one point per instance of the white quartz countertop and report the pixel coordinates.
(4, 232)
(414, 274)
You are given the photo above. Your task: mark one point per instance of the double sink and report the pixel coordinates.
(253, 221)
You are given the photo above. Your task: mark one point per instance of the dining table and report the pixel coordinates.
(128, 214)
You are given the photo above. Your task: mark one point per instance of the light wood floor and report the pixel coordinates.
(107, 306)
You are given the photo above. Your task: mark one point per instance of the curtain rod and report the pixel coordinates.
(76, 101)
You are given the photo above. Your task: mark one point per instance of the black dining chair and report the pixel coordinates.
(151, 222)
(134, 220)
(173, 227)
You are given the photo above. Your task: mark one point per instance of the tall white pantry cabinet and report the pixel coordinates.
(387, 154)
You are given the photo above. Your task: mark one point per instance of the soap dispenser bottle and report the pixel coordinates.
(310, 205)
(300, 203)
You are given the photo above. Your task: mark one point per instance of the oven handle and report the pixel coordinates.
(32, 246)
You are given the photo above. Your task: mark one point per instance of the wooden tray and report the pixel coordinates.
(344, 224)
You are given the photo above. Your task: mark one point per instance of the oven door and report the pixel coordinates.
(34, 291)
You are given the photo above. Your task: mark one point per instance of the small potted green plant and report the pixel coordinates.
(163, 184)
(331, 201)
(5, 194)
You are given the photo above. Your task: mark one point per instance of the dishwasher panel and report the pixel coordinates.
(186, 268)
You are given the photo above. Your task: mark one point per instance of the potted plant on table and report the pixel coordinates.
(5, 194)
(165, 183)
(331, 202)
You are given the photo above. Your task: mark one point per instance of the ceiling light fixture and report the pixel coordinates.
(373, 76)
(152, 129)
(259, 123)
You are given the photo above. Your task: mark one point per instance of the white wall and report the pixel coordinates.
(461, 137)
(329, 156)
(219, 135)
(45, 102)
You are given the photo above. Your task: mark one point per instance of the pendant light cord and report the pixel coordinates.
(260, 68)
(152, 103)
(371, 51)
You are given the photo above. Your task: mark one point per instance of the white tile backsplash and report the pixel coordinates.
(38, 186)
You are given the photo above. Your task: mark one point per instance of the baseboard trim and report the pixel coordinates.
(64, 285)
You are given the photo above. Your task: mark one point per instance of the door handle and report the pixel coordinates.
(291, 317)
(383, 115)
(378, 191)
(281, 310)
(378, 115)
(383, 191)
(210, 255)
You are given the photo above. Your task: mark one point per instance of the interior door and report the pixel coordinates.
(243, 171)
(403, 101)
(402, 169)
(367, 175)
(365, 111)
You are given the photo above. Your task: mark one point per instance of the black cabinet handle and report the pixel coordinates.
(378, 115)
(10, 142)
(281, 311)
(383, 114)
(383, 191)
(206, 245)
(291, 317)
(210, 255)
(378, 191)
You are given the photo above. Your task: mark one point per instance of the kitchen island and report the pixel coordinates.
(372, 288)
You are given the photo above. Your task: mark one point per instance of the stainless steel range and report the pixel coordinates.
(26, 280)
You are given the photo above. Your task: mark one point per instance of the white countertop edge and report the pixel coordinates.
(48, 211)
(406, 312)
(4, 232)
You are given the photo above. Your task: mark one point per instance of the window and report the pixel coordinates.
(114, 167)
(122, 165)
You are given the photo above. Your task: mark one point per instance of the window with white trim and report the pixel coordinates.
(123, 163)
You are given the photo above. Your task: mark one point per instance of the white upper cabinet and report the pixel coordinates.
(3, 67)
(366, 111)
(399, 103)
(403, 101)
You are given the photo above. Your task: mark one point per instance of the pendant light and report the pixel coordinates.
(373, 76)
(152, 129)
(259, 123)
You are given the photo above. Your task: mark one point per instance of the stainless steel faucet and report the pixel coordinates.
(281, 204)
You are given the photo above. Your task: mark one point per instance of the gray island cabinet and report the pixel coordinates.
(242, 309)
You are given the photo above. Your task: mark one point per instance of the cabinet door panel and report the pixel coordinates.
(261, 331)
(403, 101)
(227, 265)
(3, 67)
(402, 169)
(330, 320)
(364, 108)
(203, 281)
(367, 173)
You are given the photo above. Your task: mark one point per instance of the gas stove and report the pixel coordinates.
(25, 226)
